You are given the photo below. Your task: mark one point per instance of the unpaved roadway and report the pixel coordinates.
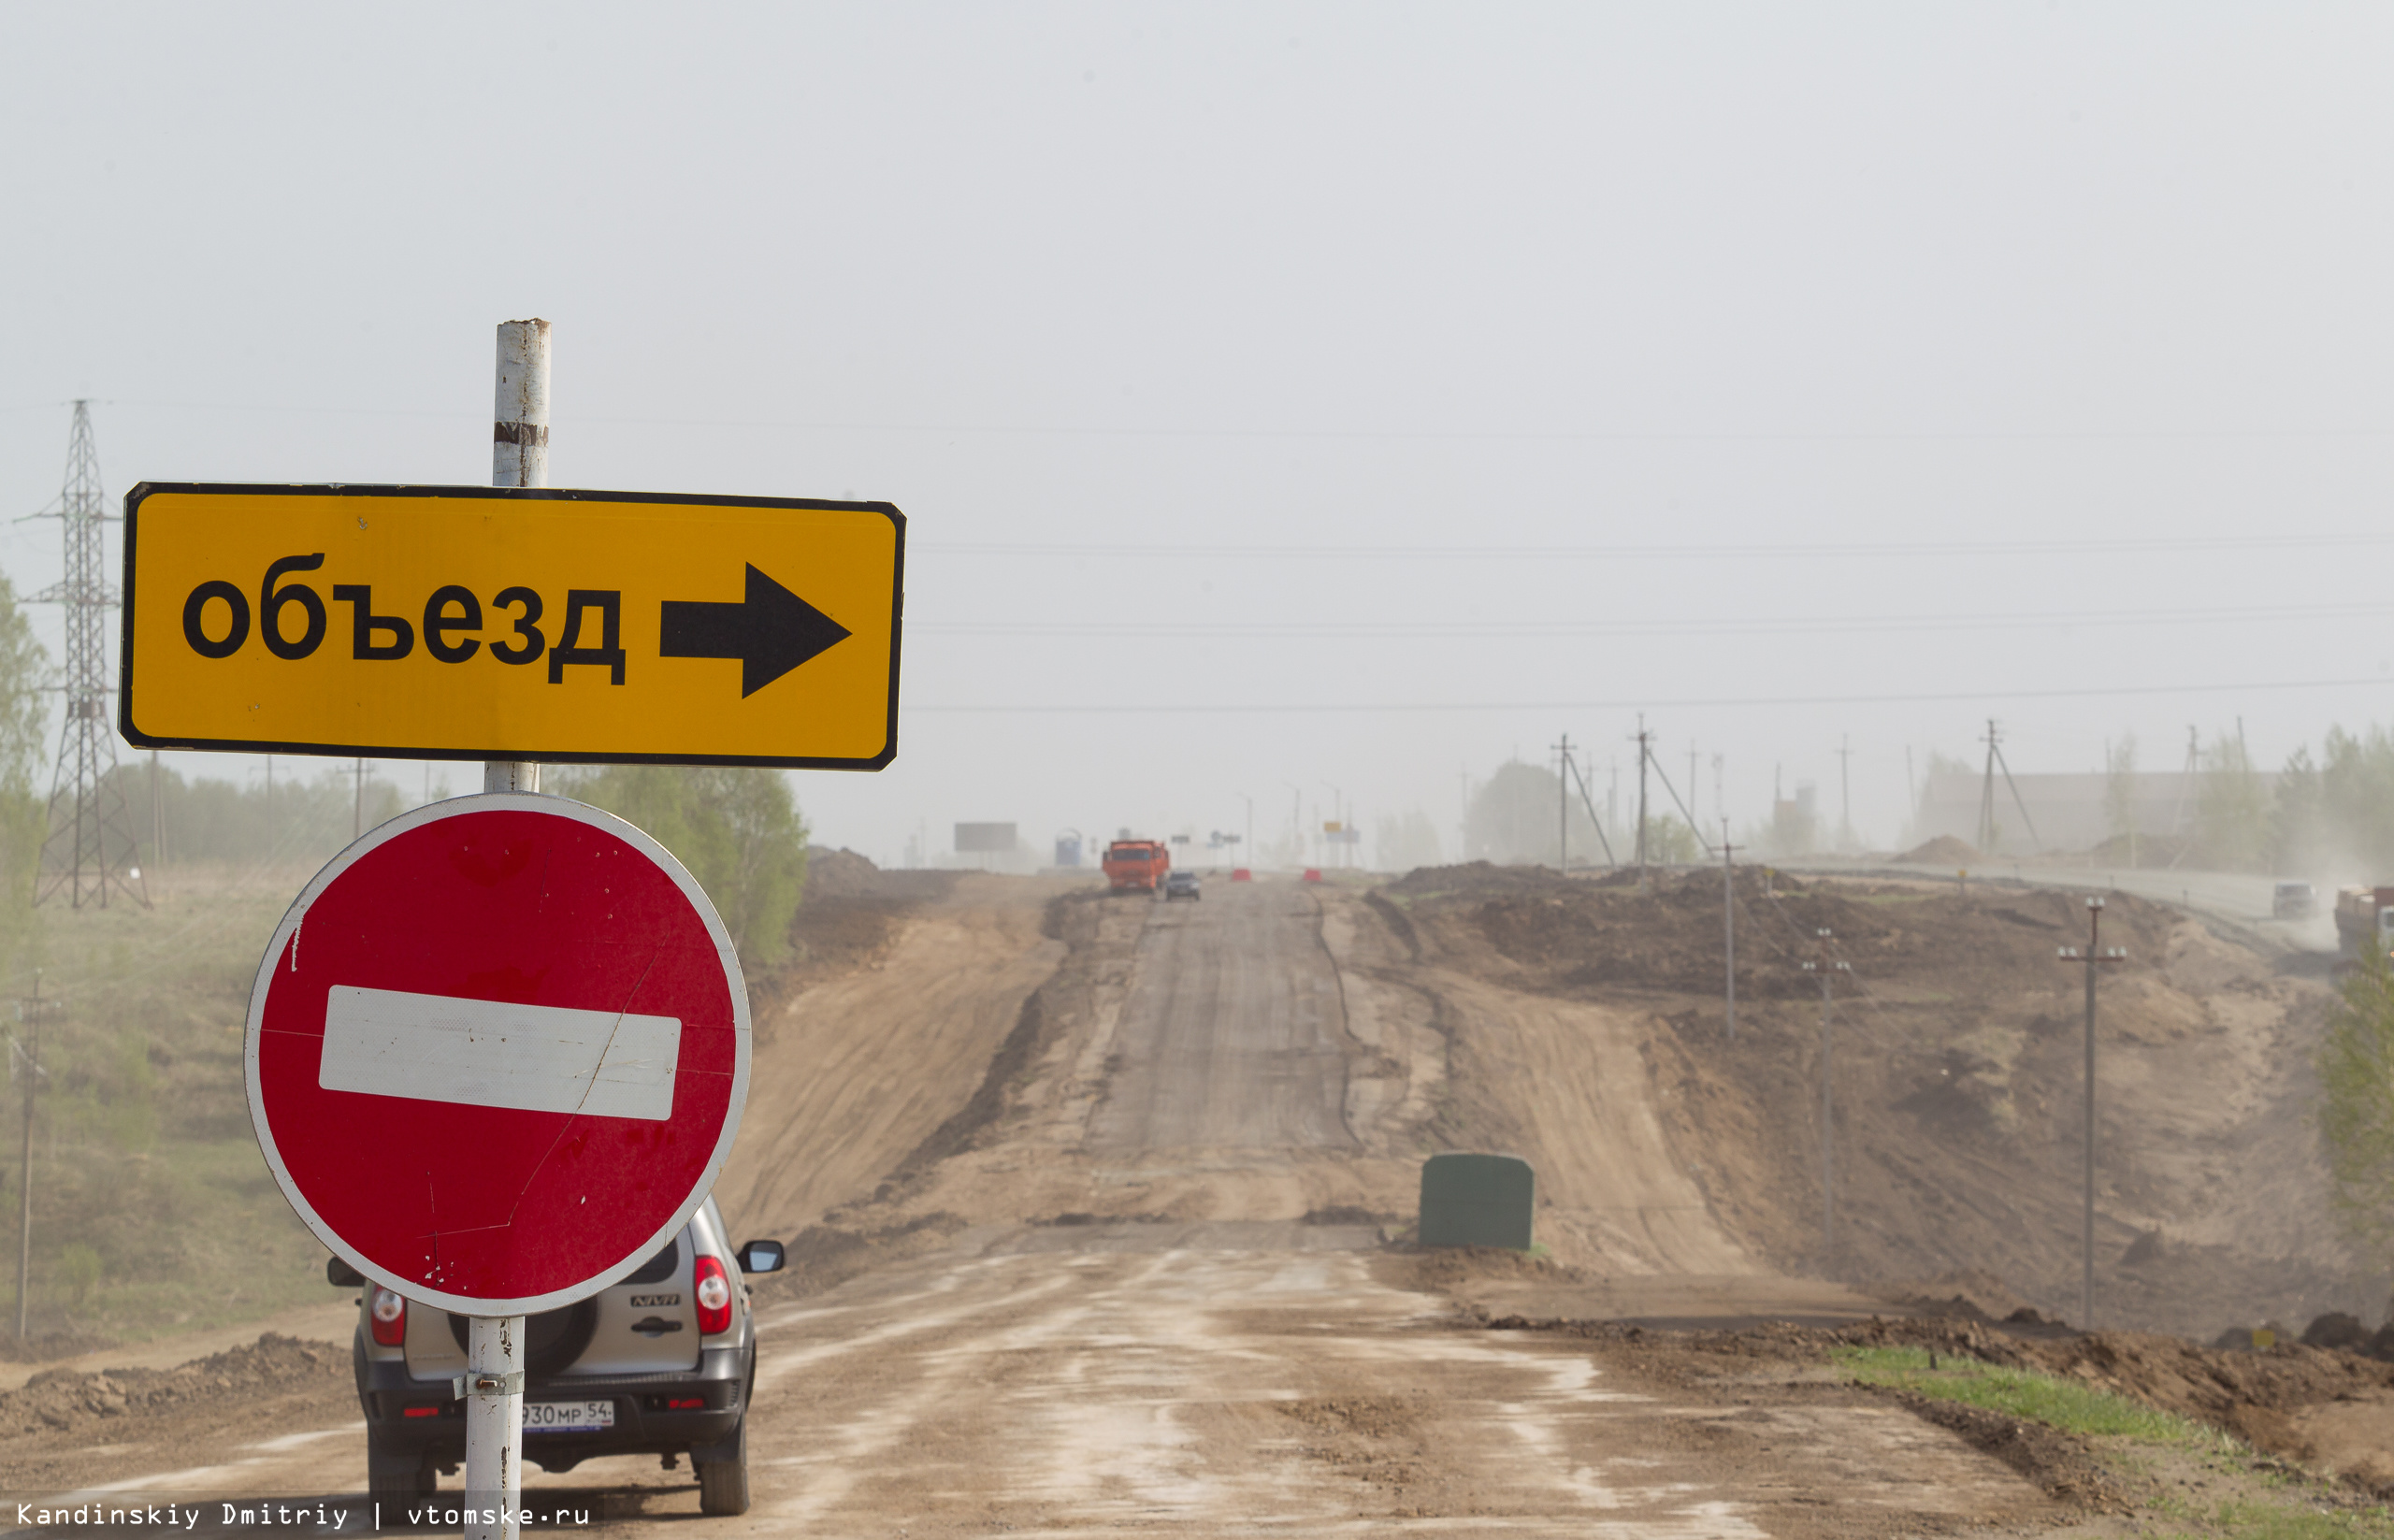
(1141, 1288)
(1233, 1035)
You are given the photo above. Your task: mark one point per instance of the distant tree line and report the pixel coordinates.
(738, 830)
(2331, 816)
(312, 810)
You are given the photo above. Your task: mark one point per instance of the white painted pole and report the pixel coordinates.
(519, 456)
(495, 1346)
(494, 1427)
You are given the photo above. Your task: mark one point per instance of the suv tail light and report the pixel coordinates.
(389, 1315)
(715, 1297)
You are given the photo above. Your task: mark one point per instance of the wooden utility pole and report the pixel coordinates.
(1644, 737)
(1994, 761)
(1729, 920)
(2094, 956)
(24, 1058)
(1845, 839)
(1562, 807)
(1824, 966)
(157, 815)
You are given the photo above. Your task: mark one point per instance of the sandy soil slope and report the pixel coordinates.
(854, 1072)
(1957, 1079)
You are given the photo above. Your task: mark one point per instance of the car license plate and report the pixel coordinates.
(568, 1416)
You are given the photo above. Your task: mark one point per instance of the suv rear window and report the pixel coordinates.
(659, 1267)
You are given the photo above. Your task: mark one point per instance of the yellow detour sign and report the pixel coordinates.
(486, 623)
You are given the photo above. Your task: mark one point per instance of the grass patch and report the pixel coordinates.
(153, 1211)
(2266, 1500)
(2269, 1522)
(2023, 1393)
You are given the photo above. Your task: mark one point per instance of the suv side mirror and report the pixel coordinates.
(762, 1257)
(338, 1273)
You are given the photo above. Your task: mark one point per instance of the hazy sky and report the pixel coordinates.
(1312, 395)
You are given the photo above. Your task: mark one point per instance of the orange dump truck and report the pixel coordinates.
(2365, 916)
(1137, 863)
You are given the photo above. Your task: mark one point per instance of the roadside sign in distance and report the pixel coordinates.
(508, 623)
(497, 1052)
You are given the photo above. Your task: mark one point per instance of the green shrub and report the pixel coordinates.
(737, 828)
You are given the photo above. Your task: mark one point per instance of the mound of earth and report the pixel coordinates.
(1972, 1294)
(1944, 850)
(1476, 878)
(851, 913)
(838, 874)
(59, 1400)
(1957, 1083)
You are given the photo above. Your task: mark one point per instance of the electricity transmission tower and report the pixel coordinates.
(90, 852)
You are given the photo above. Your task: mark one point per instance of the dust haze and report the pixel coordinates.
(1462, 469)
(1355, 399)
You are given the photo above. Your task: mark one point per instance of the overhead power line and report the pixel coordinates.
(1351, 707)
(1433, 435)
(1734, 626)
(1719, 551)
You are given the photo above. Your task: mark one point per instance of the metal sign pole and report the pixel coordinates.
(495, 1346)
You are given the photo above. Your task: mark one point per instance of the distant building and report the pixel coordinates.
(2068, 812)
(1794, 825)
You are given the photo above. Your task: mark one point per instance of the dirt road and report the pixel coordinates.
(1233, 1378)
(1233, 1035)
(1206, 1379)
(1106, 1310)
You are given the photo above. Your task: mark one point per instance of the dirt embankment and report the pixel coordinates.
(49, 1427)
(2324, 1410)
(1957, 1075)
(908, 983)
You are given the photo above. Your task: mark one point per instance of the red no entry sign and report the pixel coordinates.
(498, 1051)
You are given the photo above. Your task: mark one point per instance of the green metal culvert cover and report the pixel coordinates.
(1477, 1200)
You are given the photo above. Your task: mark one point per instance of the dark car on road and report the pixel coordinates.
(1181, 884)
(660, 1364)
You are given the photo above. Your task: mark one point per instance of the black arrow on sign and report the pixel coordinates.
(770, 632)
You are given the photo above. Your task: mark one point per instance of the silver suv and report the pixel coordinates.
(661, 1363)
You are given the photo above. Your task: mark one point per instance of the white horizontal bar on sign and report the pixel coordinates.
(488, 1053)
